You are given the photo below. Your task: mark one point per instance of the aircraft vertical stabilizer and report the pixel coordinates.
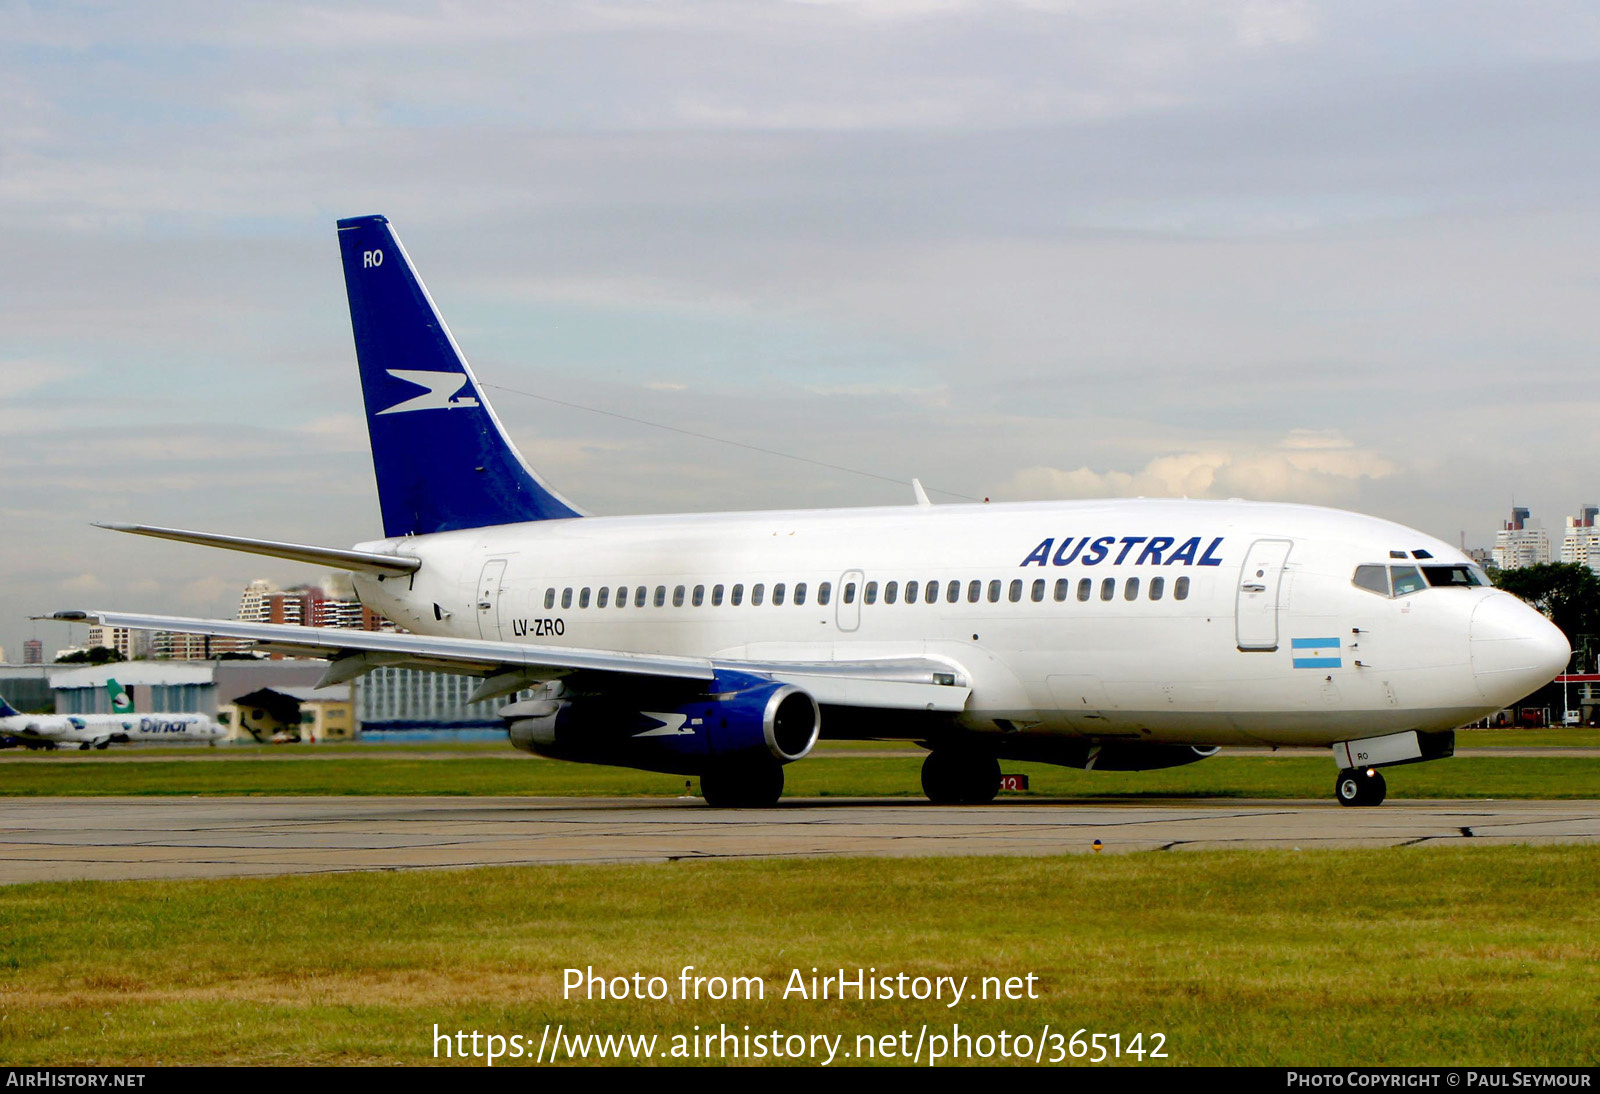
(441, 457)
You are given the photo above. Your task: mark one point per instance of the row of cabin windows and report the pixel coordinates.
(912, 592)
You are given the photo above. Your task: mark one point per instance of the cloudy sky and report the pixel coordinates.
(1341, 253)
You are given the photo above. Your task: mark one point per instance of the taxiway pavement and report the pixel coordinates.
(59, 839)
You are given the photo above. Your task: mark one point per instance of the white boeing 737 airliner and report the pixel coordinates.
(1111, 635)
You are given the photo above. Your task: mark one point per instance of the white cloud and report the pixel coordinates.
(1315, 467)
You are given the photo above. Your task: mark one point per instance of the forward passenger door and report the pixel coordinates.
(1257, 604)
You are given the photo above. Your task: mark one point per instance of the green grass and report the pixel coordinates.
(1571, 737)
(1296, 776)
(1407, 956)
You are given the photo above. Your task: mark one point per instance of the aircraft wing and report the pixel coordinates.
(888, 683)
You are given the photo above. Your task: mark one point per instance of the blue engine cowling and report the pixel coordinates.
(739, 716)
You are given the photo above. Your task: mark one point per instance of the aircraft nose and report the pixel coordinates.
(1515, 650)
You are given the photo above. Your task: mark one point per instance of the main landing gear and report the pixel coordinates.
(756, 784)
(1364, 786)
(951, 777)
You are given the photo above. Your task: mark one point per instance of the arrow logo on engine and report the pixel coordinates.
(672, 725)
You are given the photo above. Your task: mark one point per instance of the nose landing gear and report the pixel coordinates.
(1364, 786)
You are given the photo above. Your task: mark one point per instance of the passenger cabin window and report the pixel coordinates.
(974, 591)
(931, 595)
(1407, 579)
(716, 596)
(738, 595)
(622, 596)
(994, 591)
(583, 597)
(639, 596)
(849, 592)
(699, 596)
(891, 592)
(661, 595)
(603, 597)
(911, 592)
(566, 598)
(677, 597)
(799, 593)
(1374, 579)
(777, 593)
(1130, 591)
(1108, 588)
(952, 592)
(1085, 586)
(758, 593)
(1014, 593)
(1180, 589)
(549, 598)
(825, 593)
(1038, 590)
(1158, 585)
(1063, 586)
(869, 595)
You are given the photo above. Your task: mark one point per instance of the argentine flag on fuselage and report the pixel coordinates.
(1316, 653)
(441, 457)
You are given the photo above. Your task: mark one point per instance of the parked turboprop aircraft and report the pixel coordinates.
(51, 731)
(1112, 635)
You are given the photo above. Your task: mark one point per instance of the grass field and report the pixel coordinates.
(1276, 776)
(1404, 956)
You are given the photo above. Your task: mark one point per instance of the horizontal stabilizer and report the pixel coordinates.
(367, 562)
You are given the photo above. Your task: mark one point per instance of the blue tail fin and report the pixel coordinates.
(6, 709)
(442, 459)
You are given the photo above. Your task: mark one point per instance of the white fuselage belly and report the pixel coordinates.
(1158, 670)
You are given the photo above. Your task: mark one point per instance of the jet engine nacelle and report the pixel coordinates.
(1108, 755)
(739, 716)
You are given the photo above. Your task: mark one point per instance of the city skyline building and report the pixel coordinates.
(1580, 541)
(1521, 541)
(132, 644)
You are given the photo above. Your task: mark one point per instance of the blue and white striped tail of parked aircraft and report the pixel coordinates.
(1108, 635)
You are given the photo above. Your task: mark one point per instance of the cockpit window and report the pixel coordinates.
(1455, 575)
(1406, 580)
(1374, 579)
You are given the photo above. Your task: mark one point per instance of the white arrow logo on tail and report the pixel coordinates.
(442, 387)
